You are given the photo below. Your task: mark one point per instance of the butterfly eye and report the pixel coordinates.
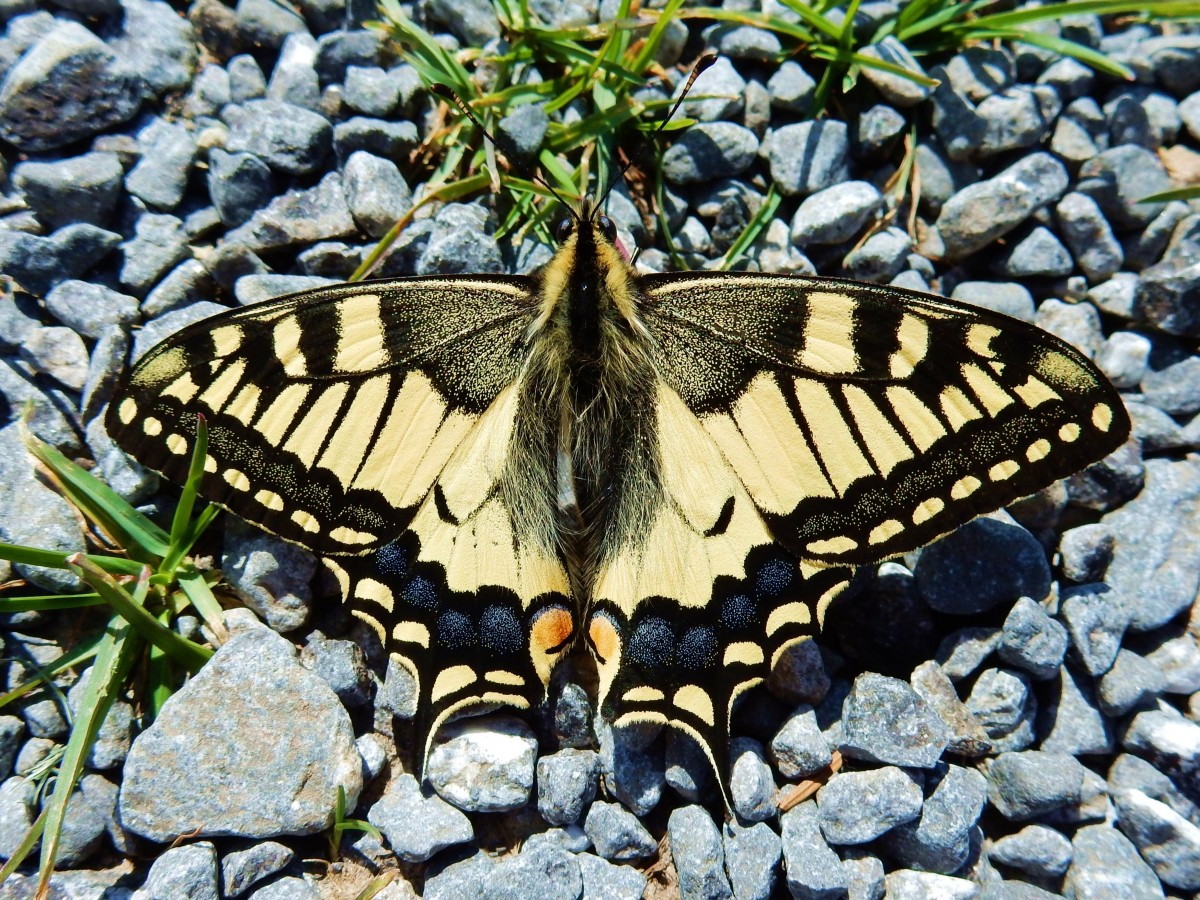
(607, 227)
(564, 229)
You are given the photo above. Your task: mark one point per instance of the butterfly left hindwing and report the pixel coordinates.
(372, 423)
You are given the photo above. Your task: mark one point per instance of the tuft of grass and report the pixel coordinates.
(602, 66)
(142, 574)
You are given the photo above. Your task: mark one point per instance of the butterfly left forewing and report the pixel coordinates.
(866, 421)
(695, 607)
(330, 412)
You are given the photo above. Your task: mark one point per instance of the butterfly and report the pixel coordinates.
(681, 470)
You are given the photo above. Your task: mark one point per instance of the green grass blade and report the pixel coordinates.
(84, 651)
(55, 559)
(196, 589)
(187, 653)
(753, 229)
(114, 658)
(181, 522)
(32, 836)
(47, 602)
(100, 503)
(1061, 46)
(1191, 192)
(1174, 9)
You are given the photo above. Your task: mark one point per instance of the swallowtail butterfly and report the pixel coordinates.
(735, 443)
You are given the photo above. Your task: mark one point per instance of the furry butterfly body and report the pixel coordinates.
(729, 447)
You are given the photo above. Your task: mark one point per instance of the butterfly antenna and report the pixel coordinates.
(447, 93)
(698, 69)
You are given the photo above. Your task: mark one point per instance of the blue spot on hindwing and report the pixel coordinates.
(652, 643)
(697, 649)
(501, 631)
(455, 630)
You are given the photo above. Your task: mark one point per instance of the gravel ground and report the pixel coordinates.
(1011, 713)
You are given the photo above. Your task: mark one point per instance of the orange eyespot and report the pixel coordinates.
(604, 637)
(552, 631)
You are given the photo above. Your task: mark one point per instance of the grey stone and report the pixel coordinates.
(188, 871)
(877, 129)
(76, 189)
(1166, 293)
(1031, 783)
(372, 91)
(59, 353)
(290, 139)
(1003, 702)
(460, 242)
(1096, 616)
(814, 871)
(1072, 141)
(523, 130)
(158, 43)
(1158, 534)
(1167, 740)
(1118, 178)
(1038, 254)
(1016, 118)
(1105, 866)
(1166, 840)
(751, 783)
(744, 42)
(895, 88)
(418, 823)
(1132, 681)
(959, 128)
(968, 737)
(1032, 641)
(1129, 772)
(722, 90)
(566, 783)
(11, 731)
(809, 156)
(616, 833)
(34, 515)
(799, 749)
(90, 309)
(1174, 388)
(343, 666)
(18, 809)
(792, 89)
(472, 21)
(799, 675)
(294, 79)
(709, 150)
(985, 563)
(1071, 720)
(1086, 551)
(1087, 233)
(751, 859)
(239, 184)
(965, 650)
(940, 840)
(39, 263)
(1123, 358)
(982, 212)
(271, 576)
(573, 717)
(379, 137)
(980, 71)
(905, 884)
(318, 213)
(287, 742)
(168, 150)
(1178, 658)
(69, 86)
(112, 741)
(88, 818)
(603, 880)
(251, 289)
(886, 721)
(337, 51)
(856, 807)
(1036, 849)
(698, 854)
(188, 283)
(1069, 78)
(864, 874)
(164, 326)
(263, 24)
(158, 245)
(880, 258)
(209, 92)
(484, 764)
(243, 869)
(289, 887)
(376, 192)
